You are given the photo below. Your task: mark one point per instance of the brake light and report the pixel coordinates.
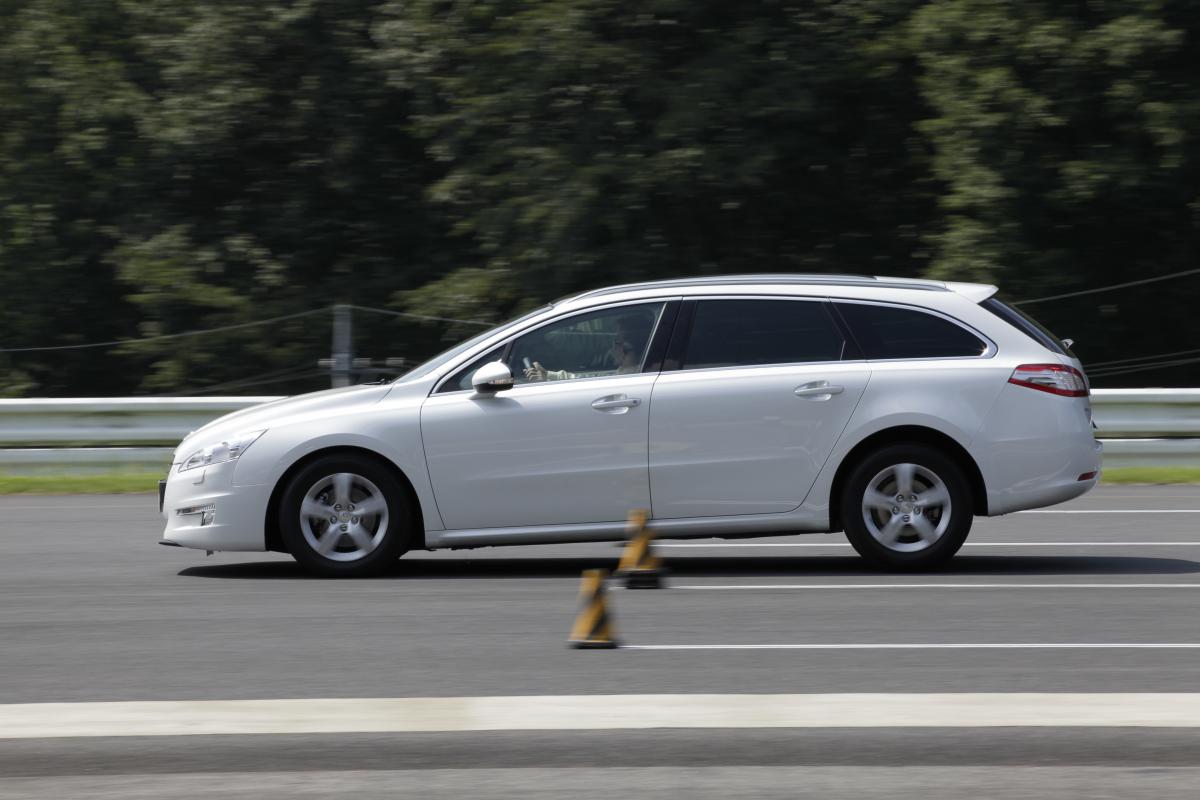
(1053, 378)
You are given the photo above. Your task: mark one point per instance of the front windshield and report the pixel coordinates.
(421, 370)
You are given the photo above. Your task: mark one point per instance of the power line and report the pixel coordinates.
(311, 373)
(1108, 288)
(287, 373)
(1104, 364)
(1178, 362)
(165, 336)
(422, 316)
(239, 326)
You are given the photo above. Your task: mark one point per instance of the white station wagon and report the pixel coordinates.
(751, 405)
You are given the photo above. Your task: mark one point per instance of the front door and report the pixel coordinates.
(566, 445)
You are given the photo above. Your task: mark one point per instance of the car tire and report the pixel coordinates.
(907, 507)
(346, 516)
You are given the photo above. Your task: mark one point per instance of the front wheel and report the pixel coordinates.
(907, 507)
(345, 516)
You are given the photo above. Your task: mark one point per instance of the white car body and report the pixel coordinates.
(726, 451)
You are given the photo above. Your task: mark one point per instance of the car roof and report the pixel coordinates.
(811, 283)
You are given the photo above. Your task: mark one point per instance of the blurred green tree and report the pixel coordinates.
(177, 166)
(589, 142)
(169, 166)
(69, 167)
(1063, 135)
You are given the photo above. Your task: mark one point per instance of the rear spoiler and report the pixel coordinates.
(975, 292)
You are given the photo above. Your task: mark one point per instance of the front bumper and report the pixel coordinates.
(238, 516)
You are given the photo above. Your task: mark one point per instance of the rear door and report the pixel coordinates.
(752, 399)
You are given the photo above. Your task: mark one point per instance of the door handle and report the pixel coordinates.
(818, 390)
(618, 403)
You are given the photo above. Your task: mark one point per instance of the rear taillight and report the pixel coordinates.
(1053, 378)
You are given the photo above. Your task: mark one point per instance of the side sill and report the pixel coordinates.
(694, 528)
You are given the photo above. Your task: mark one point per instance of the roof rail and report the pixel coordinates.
(768, 279)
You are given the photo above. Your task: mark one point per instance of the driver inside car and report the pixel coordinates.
(628, 345)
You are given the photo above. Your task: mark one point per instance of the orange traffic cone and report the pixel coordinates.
(593, 628)
(639, 566)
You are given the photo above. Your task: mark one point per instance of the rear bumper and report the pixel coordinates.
(1048, 490)
(1034, 449)
(238, 512)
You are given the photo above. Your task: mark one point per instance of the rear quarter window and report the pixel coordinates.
(1027, 325)
(886, 332)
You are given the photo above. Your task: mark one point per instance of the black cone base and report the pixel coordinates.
(643, 578)
(590, 644)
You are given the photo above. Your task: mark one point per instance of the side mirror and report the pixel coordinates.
(492, 377)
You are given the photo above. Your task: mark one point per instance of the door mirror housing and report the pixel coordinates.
(492, 377)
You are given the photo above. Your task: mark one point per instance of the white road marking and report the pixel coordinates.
(965, 544)
(930, 646)
(596, 712)
(604, 780)
(726, 587)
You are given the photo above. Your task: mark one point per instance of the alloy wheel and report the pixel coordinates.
(344, 517)
(906, 508)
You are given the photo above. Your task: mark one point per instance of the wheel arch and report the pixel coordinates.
(274, 540)
(902, 434)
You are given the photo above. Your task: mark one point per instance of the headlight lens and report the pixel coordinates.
(227, 450)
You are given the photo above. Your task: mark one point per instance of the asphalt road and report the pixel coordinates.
(92, 609)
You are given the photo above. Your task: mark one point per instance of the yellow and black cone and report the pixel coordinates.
(639, 566)
(593, 628)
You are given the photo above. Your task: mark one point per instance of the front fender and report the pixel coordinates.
(390, 432)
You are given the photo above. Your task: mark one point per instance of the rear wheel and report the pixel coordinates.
(907, 506)
(345, 516)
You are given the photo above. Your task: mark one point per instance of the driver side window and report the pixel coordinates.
(611, 341)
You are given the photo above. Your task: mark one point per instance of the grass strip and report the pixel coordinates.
(107, 483)
(130, 482)
(1161, 475)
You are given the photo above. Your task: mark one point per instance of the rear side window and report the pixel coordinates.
(736, 333)
(893, 332)
(1027, 325)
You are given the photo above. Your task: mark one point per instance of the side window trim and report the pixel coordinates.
(664, 330)
(990, 346)
(845, 327)
(851, 349)
(681, 339)
(665, 302)
(682, 333)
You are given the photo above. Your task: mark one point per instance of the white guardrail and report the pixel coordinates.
(1139, 427)
(94, 435)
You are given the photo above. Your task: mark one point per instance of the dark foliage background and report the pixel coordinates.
(169, 166)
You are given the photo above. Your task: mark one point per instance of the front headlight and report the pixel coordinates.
(227, 450)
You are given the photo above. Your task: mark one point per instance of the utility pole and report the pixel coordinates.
(342, 338)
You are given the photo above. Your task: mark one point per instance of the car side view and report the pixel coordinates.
(895, 410)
